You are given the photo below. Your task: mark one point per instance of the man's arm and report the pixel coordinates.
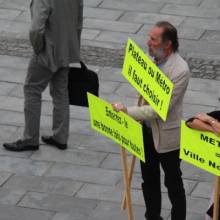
(146, 112)
(40, 12)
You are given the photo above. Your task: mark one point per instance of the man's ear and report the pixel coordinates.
(168, 44)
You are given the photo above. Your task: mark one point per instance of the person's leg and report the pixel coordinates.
(170, 163)
(36, 81)
(59, 93)
(151, 178)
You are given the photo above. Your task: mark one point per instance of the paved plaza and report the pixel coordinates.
(85, 182)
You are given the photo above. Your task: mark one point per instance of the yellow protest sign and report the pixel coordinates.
(118, 126)
(201, 149)
(147, 78)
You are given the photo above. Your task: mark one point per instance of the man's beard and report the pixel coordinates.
(157, 54)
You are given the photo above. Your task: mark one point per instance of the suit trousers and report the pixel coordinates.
(151, 185)
(37, 79)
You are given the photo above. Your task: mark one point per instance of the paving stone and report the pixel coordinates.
(189, 185)
(111, 25)
(186, 2)
(210, 4)
(10, 197)
(71, 216)
(13, 62)
(213, 36)
(201, 98)
(108, 86)
(43, 184)
(100, 192)
(77, 157)
(100, 13)
(190, 11)
(111, 74)
(150, 18)
(24, 17)
(4, 177)
(18, 91)
(16, 4)
(12, 103)
(76, 112)
(7, 132)
(18, 213)
(203, 85)
(6, 88)
(113, 162)
(190, 110)
(193, 173)
(96, 142)
(9, 14)
(81, 127)
(84, 173)
(57, 203)
(17, 30)
(132, 6)
(127, 90)
(190, 33)
(12, 75)
(204, 56)
(89, 34)
(23, 166)
(100, 44)
(194, 216)
(199, 46)
(120, 38)
(3, 152)
(108, 193)
(197, 205)
(203, 190)
(17, 119)
(206, 24)
(92, 3)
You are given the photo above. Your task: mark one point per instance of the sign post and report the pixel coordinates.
(202, 150)
(216, 198)
(125, 131)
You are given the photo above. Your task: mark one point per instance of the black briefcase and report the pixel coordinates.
(81, 81)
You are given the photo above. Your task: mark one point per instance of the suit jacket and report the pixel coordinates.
(166, 135)
(55, 31)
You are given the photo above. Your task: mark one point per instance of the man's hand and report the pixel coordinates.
(119, 107)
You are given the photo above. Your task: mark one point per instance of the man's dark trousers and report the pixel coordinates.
(151, 185)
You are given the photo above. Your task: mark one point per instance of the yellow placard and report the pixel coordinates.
(118, 126)
(201, 149)
(147, 78)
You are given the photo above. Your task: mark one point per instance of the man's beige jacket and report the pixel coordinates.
(166, 135)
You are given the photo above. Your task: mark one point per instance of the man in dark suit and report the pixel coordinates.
(55, 37)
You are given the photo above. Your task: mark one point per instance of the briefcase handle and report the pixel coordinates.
(83, 66)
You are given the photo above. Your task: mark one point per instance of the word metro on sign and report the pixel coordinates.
(201, 149)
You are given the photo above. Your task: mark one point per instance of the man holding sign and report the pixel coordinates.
(161, 139)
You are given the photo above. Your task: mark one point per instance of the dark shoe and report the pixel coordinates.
(49, 140)
(20, 146)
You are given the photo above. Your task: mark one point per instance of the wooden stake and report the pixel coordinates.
(130, 175)
(126, 184)
(216, 198)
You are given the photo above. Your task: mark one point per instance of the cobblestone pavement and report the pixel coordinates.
(85, 181)
(200, 68)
